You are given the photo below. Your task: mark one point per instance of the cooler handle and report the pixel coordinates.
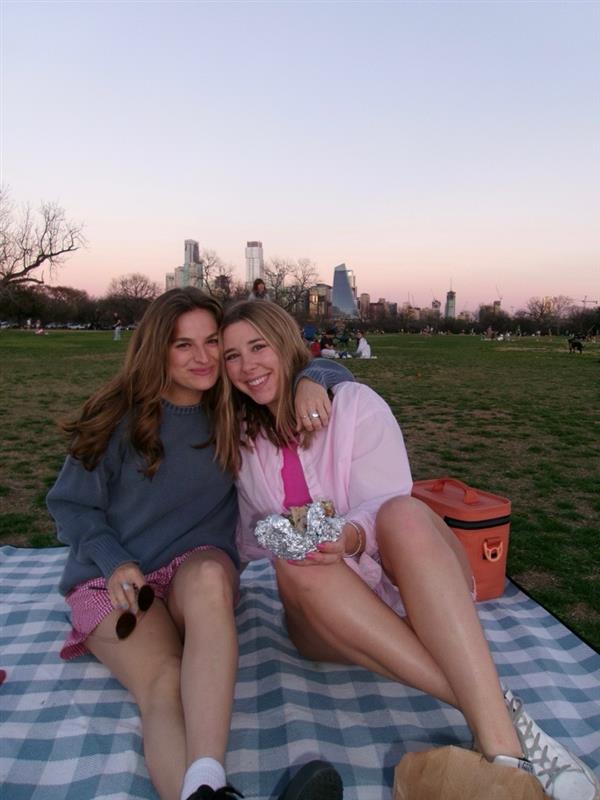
(493, 549)
(470, 495)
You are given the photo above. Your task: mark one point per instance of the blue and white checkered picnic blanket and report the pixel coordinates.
(68, 731)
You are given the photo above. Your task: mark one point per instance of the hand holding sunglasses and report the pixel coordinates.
(128, 620)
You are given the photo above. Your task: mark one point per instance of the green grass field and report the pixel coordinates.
(519, 418)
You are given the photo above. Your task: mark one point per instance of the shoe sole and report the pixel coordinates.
(317, 780)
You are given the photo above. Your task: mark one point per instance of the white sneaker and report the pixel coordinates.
(562, 775)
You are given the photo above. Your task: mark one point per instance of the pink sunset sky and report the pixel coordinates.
(426, 145)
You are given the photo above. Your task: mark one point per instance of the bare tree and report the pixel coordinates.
(130, 295)
(288, 282)
(212, 267)
(134, 286)
(217, 276)
(30, 243)
(276, 274)
(549, 311)
(563, 306)
(237, 291)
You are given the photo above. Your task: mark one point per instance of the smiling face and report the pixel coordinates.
(193, 358)
(251, 363)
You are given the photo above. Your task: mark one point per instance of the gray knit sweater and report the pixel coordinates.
(113, 514)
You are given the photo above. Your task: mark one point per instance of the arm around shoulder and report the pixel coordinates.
(325, 372)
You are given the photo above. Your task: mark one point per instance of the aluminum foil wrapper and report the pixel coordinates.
(278, 535)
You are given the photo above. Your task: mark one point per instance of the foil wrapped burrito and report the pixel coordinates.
(293, 535)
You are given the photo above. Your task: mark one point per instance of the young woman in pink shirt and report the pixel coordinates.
(394, 593)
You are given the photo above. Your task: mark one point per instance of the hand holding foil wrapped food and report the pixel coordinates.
(293, 535)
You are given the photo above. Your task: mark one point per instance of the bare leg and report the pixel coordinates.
(165, 677)
(148, 664)
(201, 602)
(443, 616)
(333, 615)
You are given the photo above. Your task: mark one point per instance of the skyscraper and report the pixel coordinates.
(191, 272)
(352, 282)
(364, 303)
(450, 305)
(255, 265)
(319, 301)
(343, 297)
(192, 252)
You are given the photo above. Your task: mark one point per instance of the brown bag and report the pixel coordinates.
(452, 773)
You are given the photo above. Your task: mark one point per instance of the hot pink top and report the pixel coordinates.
(358, 462)
(294, 483)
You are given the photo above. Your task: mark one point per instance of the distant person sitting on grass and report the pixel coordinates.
(363, 348)
(327, 344)
(148, 513)
(314, 347)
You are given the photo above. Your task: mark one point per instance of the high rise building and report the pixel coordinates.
(192, 252)
(343, 296)
(377, 310)
(191, 272)
(450, 305)
(352, 282)
(363, 305)
(255, 265)
(411, 312)
(319, 301)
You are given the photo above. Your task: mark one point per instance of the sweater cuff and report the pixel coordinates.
(326, 373)
(108, 554)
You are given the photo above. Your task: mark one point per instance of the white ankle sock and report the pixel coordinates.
(204, 771)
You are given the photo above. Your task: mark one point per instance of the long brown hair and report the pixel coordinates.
(136, 391)
(237, 410)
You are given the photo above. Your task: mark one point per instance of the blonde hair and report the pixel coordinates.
(241, 419)
(138, 387)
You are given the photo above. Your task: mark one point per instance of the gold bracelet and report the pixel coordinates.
(361, 539)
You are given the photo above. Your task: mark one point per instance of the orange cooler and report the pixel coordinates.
(480, 520)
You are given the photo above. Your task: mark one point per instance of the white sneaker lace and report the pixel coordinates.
(544, 766)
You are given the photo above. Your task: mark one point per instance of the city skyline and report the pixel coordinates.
(191, 274)
(428, 146)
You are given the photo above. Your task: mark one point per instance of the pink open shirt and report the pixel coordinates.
(358, 462)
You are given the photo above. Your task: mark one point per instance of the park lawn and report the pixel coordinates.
(518, 418)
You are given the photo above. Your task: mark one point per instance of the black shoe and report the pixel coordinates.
(316, 780)
(205, 792)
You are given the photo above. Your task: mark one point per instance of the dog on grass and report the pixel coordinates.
(575, 345)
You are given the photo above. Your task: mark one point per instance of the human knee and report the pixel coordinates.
(407, 522)
(209, 581)
(402, 510)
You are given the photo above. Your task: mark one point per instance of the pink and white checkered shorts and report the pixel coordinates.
(90, 603)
